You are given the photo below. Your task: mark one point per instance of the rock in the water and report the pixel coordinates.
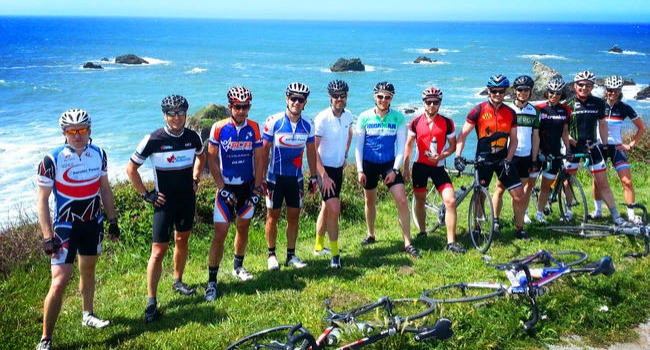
(434, 49)
(105, 59)
(352, 64)
(615, 49)
(643, 94)
(91, 65)
(130, 59)
(422, 59)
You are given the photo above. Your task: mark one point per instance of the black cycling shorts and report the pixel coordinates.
(336, 174)
(176, 213)
(374, 170)
(421, 174)
(285, 189)
(78, 238)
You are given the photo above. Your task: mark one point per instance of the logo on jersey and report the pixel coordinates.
(171, 159)
(292, 140)
(486, 116)
(73, 175)
(165, 147)
(229, 145)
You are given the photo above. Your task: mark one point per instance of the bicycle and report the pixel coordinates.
(357, 320)
(570, 196)
(480, 216)
(629, 229)
(543, 266)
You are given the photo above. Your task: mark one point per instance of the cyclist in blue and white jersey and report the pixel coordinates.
(177, 158)
(525, 158)
(234, 159)
(286, 136)
(616, 111)
(76, 174)
(333, 137)
(379, 152)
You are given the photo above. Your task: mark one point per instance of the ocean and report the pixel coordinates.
(41, 72)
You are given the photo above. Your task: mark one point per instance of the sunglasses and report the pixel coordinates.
(384, 97)
(297, 99)
(241, 107)
(339, 96)
(497, 92)
(180, 113)
(522, 89)
(613, 90)
(432, 102)
(583, 85)
(75, 132)
(555, 93)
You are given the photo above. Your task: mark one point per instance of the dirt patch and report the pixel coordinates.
(575, 342)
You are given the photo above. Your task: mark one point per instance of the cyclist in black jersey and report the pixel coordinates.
(176, 154)
(76, 175)
(588, 115)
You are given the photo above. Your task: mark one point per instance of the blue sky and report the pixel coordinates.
(637, 11)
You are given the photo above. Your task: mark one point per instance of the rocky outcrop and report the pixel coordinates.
(202, 121)
(643, 94)
(352, 64)
(90, 65)
(434, 49)
(542, 74)
(105, 59)
(424, 59)
(615, 49)
(130, 59)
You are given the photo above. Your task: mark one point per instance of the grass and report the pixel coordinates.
(272, 298)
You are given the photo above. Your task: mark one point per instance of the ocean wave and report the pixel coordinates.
(625, 52)
(2, 81)
(420, 50)
(541, 56)
(196, 70)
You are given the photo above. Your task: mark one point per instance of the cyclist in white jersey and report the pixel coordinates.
(616, 111)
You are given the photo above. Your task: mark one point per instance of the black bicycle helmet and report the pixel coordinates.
(337, 86)
(174, 101)
(384, 86)
(523, 80)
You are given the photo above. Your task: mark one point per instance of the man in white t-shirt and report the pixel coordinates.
(333, 136)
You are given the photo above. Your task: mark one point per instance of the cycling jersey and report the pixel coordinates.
(615, 116)
(441, 129)
(492, 126)
(527, 120)
(172, 158)
(584, 119)
(75, 182)
(380, 140)
(333, 132)
(237, 145)
(288, 144)
(552, 121)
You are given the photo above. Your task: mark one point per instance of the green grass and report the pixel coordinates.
(272, 298)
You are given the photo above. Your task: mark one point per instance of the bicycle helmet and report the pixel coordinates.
(337, 86)
(174, 101)
(384, 86)
(239, 94)
(585, 75)
(614, 82)
(498, 81)
(296, 88)
(432, 91)
(523, 80)
(556, 84)
(74, 117)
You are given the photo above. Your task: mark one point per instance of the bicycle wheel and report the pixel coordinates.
(271, 338)
(434, 210)
(465, 292)
(573, 203)
(481, 219)
(586, 230)
(565, 258)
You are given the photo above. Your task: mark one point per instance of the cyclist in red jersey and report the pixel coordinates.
(426, 130)
(76, 175)
(496, 128)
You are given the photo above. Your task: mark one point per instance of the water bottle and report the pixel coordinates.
(433, 146)
(333, 337)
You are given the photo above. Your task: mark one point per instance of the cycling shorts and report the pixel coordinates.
(336, 174)
(523, 166)
(495, 164)
(175, 213)
(285, 189)
(78, 238)
(596, 161)
(374, 170)
(227, 213)
(551, 172)
(421, 173)
(617, 157)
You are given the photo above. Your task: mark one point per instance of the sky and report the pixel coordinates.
(635, 11)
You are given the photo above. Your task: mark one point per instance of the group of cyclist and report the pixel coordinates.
(248, 162)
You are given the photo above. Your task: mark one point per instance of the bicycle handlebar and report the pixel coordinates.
(303, 335)
(549, 159)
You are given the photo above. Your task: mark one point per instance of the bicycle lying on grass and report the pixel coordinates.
(480, 218)
(629, 229)
(528, 277)
(369, 323)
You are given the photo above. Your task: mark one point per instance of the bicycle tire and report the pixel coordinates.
(465, 292)
(270, 338)
(586, 230)
(578, 208)
(480, 225)
(565, 257)
(434, 209)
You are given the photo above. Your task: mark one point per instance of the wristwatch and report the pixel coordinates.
(396, 171)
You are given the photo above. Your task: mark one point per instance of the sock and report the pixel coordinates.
(152, 301)
(86, 314)
(271, 251)
(335, 247)
(238, 262)
(614, 212)
(630, 213)
(290, 253)
(178, 280)
(599, 206)
(539, 213)
(319, 242)
(212, 273)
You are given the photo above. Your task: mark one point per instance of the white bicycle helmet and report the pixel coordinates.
(432, 91)
(239, 94)
(614, 82)
(174, 101)
(297, 88)
(556, 84)
(74, 117)
(585, 75)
